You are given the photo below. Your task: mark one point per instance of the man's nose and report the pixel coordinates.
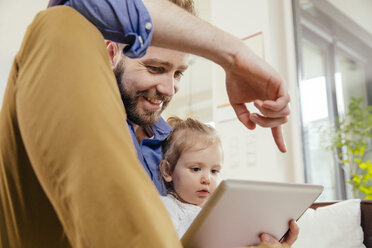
(167, 86)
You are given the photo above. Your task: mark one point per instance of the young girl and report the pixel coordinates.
(190, 168)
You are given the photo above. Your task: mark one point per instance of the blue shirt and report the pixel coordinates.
(150, 152)
(126, 22)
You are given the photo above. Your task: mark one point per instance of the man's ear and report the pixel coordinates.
(164, 168)
(113, 50)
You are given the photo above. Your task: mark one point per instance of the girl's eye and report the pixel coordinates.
(178, 74)
(215, 171)
(195, 169)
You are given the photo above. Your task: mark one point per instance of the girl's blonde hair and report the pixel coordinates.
(188, 134)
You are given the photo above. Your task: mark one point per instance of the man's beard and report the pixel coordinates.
(130, 101)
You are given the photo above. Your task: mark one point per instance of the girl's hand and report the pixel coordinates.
(288, 240)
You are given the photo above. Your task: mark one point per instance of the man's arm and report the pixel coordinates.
(248, 78)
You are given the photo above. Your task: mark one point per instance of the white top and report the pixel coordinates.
(182, 214)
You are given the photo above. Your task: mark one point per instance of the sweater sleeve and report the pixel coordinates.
(123, 21)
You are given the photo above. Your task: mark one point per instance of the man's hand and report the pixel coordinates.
(250, 79)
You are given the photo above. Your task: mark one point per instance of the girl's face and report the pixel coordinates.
(196, 174)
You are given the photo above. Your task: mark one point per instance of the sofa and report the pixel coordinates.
(366, 219)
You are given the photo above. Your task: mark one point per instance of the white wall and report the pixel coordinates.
(15, 15)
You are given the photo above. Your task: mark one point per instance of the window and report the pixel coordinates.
(333, 54)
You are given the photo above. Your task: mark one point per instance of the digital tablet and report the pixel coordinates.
(239, 211)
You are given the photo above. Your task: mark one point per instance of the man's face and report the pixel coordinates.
(148, 84)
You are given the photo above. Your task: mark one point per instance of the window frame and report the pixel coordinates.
(317, 31)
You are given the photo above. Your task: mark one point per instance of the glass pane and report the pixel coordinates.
(314, 109)
(350, 82)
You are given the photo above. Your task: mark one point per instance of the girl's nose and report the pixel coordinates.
(205, 179)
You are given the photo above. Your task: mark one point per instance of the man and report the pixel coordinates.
(69, 176)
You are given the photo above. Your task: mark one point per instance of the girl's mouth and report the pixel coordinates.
(203, 192)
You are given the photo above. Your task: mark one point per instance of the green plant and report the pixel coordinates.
(351, 137)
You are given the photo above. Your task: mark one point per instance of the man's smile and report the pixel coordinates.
(156, 101)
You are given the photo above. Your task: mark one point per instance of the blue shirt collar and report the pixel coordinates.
(150, 153)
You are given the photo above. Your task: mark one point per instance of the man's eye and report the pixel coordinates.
(154, 69)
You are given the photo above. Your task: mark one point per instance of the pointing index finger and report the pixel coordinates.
(278, 137)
